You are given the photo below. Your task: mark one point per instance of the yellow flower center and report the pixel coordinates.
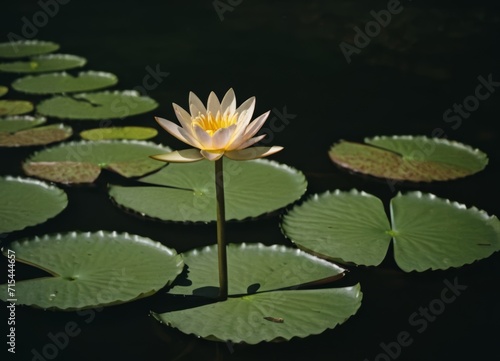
(210, 123)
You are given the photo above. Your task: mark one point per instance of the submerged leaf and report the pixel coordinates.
(3, 90)
(92, 269)
(63, 172)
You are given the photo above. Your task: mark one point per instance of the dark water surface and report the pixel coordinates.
(427, 58)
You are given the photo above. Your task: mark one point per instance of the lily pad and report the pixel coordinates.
(409, 158)
(23, 48)
(428, 232)
(97, 106)
(15, 107)
(28, 202)
(44, 63)
(91, 270)
(266, 302)
(3, 90)
(36, 136)
(186, 192)
(138, 133)
(20, 122)
(127, 158)
(64, 82)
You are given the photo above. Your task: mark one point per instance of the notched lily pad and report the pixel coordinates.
(15, 107)
(44, 63)
(252, 189)
(139, 133)
(16, 123)
(409, 158)
(36, 136)
(97, 106)
(92, 269)
(428, 232)
(28, 202)
(23, 48)
(81, 162)
(64, 82)
(266, 301)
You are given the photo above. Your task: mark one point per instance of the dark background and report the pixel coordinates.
(287, 54)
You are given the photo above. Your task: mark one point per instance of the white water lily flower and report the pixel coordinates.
(218, 130)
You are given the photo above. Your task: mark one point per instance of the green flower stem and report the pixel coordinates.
(221, 237)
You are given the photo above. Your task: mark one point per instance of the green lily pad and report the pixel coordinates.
(127, 158)
(3, 90)
(90, 270)
(16, 123)
(138, 133)
(23, 48)
(15, 107)
(186, 192)
(97, 106)
(409, 158)
(44, 63)
(428, 232)
(271, 316)
(253, 268)
(64, 82)
(28, 202)
(36, 136)
(266, 302)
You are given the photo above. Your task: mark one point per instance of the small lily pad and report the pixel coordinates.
(16, 123)
(128, 158)
(92, 269)
(139, 133)
(24, 48)
(44, 63)
(64, 82)
(36, 136)
(409, 158)
(252, 188)
(3, 90)
(15, 107)
(428, 232)
(97, 106)
(28, 202)
(265, 300)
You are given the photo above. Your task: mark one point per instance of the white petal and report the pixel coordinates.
(183, 116)
(211, 155)
(252, 152)
(221, 137)
(213, 104)
(251, 141)
(203, 138)
(191, 138)
(228, 104)
(255, 126)
(180, 156)
(173, 129)
(248, 105)
(195, 105)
